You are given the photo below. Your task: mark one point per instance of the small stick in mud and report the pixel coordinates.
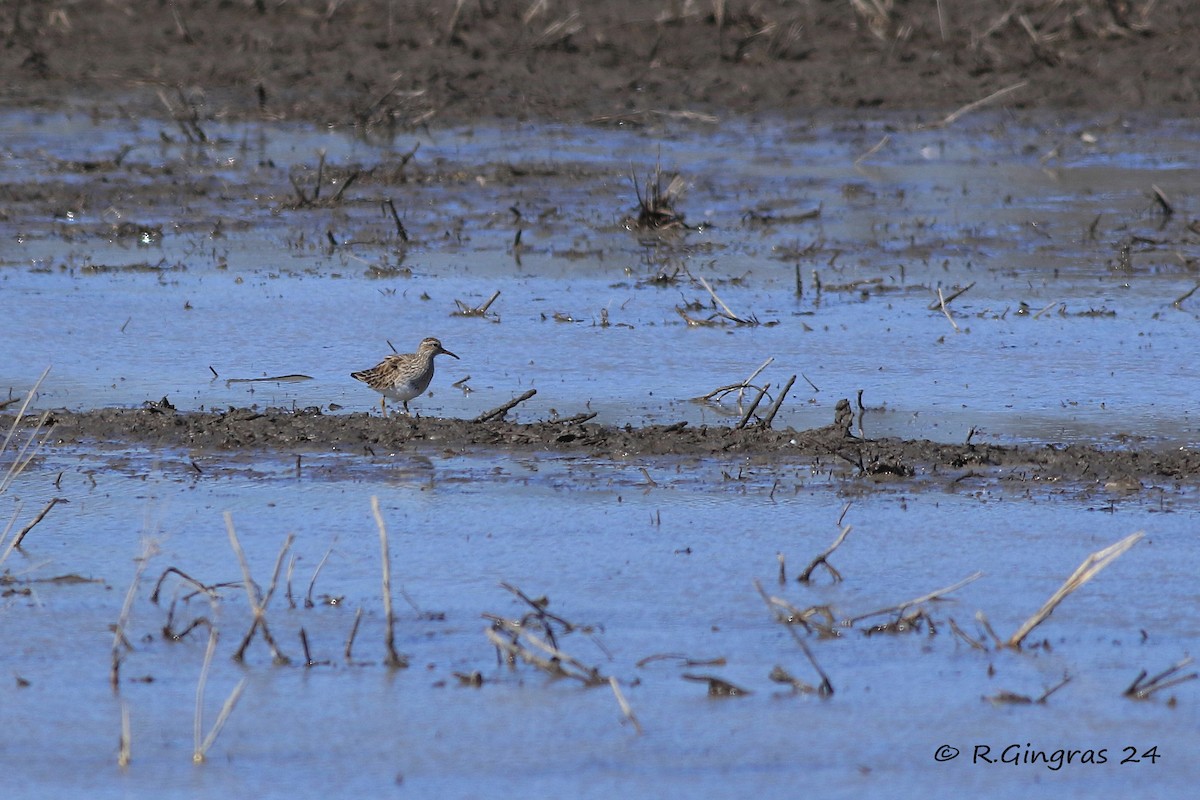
(516, 638)
(38, 437)
(774, 603)
(1161, 198)
(946, 311)
(1090, 567)
(294, 378)
(916, 601)
(741, 386)
(309, 661)
(308, 601)
(578, 419)
(825, 689)
(974, 643)
(986, 624)
(400, 230)
(822, 559)
(774, 409)
(168, 629)
(728, 312)
(258, 605)
(353, 633)
(887, 137)
(717, 687)
(211, 591)
(942, 302)
(1047, 308)
(189, 124)
(750, 411)
(200, 748)
(953, 117)
(624, 704)
(862, 410)
(1020, 699)
(125, 742)
(16, 543)
(819, 618)
(287, 582)
(120, 643)
(557, 663)
(687, 661)
(394, 659)
(1179, 300)
(1142, 689)
(480, 310)
(500, 411)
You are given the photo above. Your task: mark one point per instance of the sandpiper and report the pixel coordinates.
(403, 376)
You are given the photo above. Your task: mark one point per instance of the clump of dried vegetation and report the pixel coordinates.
(17, 451)
(657, 202)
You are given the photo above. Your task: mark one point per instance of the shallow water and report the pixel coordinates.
(654, 570)
(237, 284)
(656, 561)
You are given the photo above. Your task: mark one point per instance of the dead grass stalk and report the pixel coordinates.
(1090, 567)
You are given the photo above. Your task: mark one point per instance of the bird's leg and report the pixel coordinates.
(383, 407)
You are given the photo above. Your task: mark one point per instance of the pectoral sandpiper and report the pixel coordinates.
(403, 376)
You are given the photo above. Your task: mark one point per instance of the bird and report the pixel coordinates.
(403, 376)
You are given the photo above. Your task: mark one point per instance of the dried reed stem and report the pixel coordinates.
(394, 659)
(740, 386)
(974, 576)
(774, 409)
(887, 137)
(125, 742)
(258, 605)
(942, 302)
(353, 633)
(624, 704)
(16, 543)
(198, 718)
(825, 689)
(308, 601)
(119, 639)
(500, 411)
(806, 575)
(223, 717)
(1141, 689)
(24, 407)
(749, 411)
(728, 311)
(953, 117)
(1090, 567)
(946, 311)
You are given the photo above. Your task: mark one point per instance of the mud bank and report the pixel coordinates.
(396, 65)
(310, 430)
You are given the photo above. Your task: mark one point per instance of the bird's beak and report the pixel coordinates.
(446, 352)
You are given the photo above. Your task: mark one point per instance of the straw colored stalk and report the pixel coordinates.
(394, 659)
(1090, 567)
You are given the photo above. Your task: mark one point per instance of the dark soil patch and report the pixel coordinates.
(310, 430)
(402, 63)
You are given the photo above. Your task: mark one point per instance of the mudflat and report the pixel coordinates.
(401, 64)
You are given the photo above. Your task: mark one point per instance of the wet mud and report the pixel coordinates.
(834, 446)
(396, 65)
